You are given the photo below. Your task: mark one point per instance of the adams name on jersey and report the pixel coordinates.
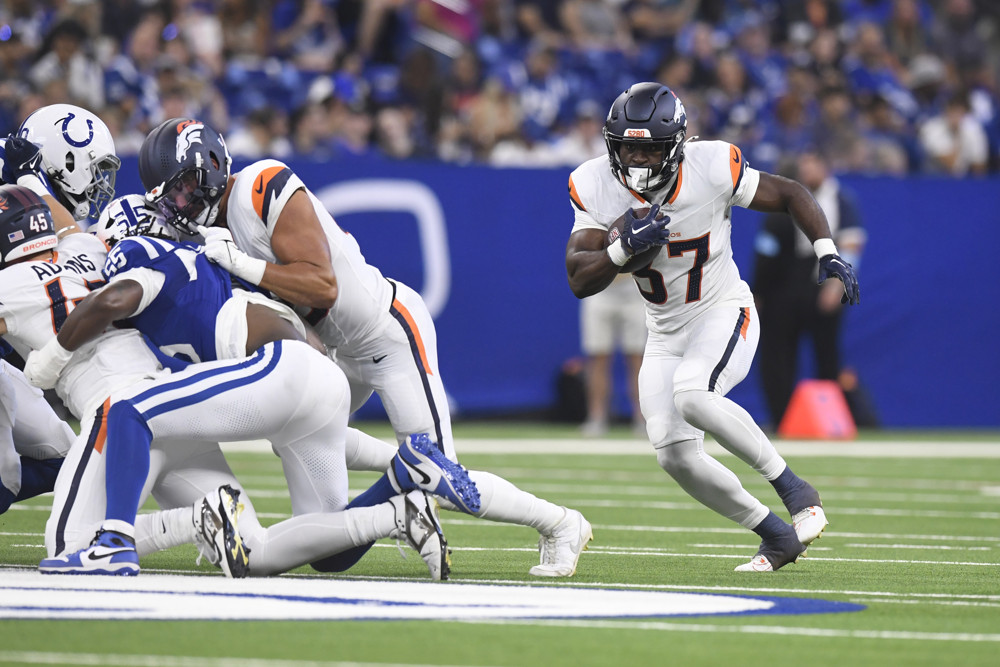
(696, 269)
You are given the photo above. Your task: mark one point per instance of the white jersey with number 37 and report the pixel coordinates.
(695, 270)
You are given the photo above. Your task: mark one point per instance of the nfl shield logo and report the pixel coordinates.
(14, 237)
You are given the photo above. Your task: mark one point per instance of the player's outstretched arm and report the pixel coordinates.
(93, 315)
(777, 194)
(588, 265)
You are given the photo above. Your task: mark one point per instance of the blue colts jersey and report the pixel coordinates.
(181, 317)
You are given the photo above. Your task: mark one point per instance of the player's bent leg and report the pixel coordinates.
(732, 427)
(709, 482)
(735, 430)
(318, 538)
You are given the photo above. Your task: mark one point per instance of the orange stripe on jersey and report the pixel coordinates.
(418, 341)
(260, 188)
(574, 197)
(746, 323)
(101, 437)
(677, 187)
(735, 164)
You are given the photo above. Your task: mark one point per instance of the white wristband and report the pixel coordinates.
(33, 183)
(617, 253)
(824, 247)
(249, 268)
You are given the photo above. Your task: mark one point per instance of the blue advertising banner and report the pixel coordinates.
(486, 248)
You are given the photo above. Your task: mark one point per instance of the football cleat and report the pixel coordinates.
(420, 464)
(217, 534)
(559, 551)
(110, 552)
(809, 524)
(775, 553)
(417, 522)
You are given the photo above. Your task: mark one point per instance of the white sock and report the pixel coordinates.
(309, 537)
(163, 530)
(119, 526)
(502, 501)
(365, 452)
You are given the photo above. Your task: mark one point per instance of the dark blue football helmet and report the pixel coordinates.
(649, 116)
(184, 165)
(26, 226)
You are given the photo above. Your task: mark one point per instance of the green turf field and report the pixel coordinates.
(915, 538)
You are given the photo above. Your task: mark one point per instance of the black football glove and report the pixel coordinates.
(641, 233)
(21, 157)
(835, 267)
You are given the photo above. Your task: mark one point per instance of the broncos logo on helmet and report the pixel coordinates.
(647, 117)
(184, 166)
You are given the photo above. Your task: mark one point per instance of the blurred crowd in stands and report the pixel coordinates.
(877, 86)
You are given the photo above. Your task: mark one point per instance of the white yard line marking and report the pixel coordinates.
(127, 660)
(764, 630)
(942, 603)
(448, 520)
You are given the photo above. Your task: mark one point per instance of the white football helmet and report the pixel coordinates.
(78, 156)
(131, 215)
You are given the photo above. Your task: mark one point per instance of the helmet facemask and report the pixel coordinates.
(101, 189)
(188, 201)
(648, 176)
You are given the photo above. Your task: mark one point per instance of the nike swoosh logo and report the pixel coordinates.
(260, 185)
(736, 160)
(425, 478)
(375, 360)
(94, 556)
(636, 231)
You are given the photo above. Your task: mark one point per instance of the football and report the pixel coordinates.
(639, 260)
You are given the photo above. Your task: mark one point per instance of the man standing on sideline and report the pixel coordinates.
(790, 302)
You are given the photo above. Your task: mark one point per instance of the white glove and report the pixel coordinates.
(221, 249)
(42, 367)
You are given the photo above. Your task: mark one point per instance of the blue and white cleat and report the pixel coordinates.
(109, 553)
(420, 464)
